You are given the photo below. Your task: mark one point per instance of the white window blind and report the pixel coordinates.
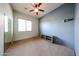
(24, 25)
(21, 25)
(29, 25)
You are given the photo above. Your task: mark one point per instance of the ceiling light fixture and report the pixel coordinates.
(36, 10)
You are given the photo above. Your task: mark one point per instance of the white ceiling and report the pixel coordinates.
(48, 7)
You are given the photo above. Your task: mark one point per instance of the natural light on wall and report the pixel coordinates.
(6, 23)
(24, 25)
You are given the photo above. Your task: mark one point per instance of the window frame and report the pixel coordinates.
(30, 24)
(25, 25)
(19, 28)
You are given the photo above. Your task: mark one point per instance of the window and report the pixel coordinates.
(24, 25)
(6, 24)
(28, 25)
(21, 25)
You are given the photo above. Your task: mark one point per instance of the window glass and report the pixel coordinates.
(21, 25)
(29, 25)
(24, 25)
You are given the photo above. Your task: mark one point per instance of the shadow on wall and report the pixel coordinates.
(57, 40)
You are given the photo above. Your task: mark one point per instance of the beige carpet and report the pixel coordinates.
(39, 47)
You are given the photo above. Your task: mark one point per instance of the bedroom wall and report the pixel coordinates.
(1, 29)
(53, 24)
(77, 29)
(26, 34)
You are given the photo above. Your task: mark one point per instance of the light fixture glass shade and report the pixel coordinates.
(36, 10)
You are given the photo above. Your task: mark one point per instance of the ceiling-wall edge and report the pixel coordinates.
(51, 11)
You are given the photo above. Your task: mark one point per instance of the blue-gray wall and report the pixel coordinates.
(53, 24)
(77, 30)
